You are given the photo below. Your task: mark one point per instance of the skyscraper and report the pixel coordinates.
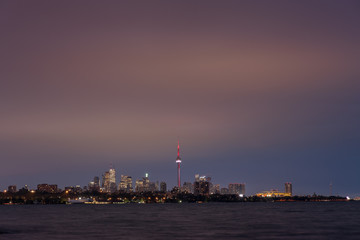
(106, 182)
(139, 185)
(163, 187)
(215, 189)
(144, 185)
(188, 187)
(288, 188)
(178, 161)
(94, 185)
(112, 178)
(197, 177)
(97, 183)
(12, 189)
(109, 181)
(201, 185)
(125, 184)
(237, 188)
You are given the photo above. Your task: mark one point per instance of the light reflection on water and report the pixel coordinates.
(297, 220)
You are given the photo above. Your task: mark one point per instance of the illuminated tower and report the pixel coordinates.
(178, 161)
(288, 188)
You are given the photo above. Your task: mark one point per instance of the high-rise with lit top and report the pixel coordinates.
(178, 161)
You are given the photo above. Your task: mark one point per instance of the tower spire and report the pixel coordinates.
(178, 155)
(178, 161)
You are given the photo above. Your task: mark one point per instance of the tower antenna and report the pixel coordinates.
(178, 161)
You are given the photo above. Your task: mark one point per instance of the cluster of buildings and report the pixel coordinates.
(201, 186)
(109, 184)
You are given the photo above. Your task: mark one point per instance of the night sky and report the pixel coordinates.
(260, 92)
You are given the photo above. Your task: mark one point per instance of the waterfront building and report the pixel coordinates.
(288, 188)
(273, 193)
(237, 188)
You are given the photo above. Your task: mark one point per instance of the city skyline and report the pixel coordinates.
(257, 92)
(111, 184)
(110, 174)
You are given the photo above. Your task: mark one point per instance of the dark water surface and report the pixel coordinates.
(297, 220)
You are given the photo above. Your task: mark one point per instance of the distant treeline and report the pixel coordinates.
(27, 197)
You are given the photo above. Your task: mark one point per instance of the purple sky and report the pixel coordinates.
(261, 92)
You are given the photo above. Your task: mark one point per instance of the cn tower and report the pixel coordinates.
(178, 161)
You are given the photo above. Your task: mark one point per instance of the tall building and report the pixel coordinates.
(215, 189)
(12, 188)
(94, 186)
(163, 187)
(109, 181)
(125, 184)
(197, 177)
(106, 182)
(97, 182)
(178, 161)
(112, 177)
(201, 188)
(139, 185)
(188, 187)
(288, 188)
(144, 185)
(237, 188)
(201, 185)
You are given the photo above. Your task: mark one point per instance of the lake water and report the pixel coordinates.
(295, 220)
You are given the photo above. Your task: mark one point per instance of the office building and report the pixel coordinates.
(12, 189)
(237, 188)
(144, 185)
(188, 187)
(125, 184)
(288, 188)
(201, 185)
(109, 181)
(224, 191)
(215, 189)
(163, 187)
